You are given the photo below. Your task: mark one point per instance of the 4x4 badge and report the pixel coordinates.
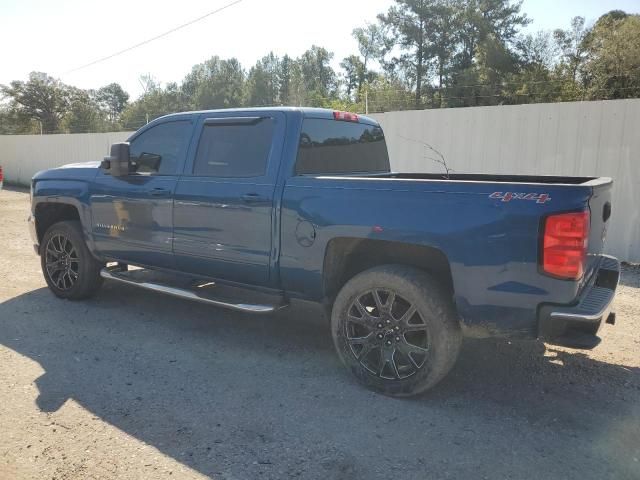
(541, 198)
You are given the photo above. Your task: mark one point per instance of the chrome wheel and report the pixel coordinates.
(61, 262)
(386, 334)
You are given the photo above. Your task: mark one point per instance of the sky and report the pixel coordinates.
(57, 36)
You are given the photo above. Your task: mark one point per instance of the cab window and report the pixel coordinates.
(329, 147)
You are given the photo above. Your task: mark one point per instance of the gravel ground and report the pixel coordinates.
(136, 385)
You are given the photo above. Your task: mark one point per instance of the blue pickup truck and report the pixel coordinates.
(257, 209)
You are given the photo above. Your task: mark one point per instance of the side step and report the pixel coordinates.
(188, 289)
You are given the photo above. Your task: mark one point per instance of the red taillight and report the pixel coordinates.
(345, 117)
(564, 248)
(1, 174)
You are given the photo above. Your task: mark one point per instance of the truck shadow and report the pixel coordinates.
(630, 276)
(214, 390)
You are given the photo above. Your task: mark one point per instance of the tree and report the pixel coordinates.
(373, 44)
(42, 98)
(263, 82)
(612, 65)
(388, 94)
(113, 100)
(156, 102)
(535, 80)
(298, 93)
(15, 122)
(354, 74)
(480, 19)
(83, 115)
(285, 80)
(443, 36)
(487, 31)
(536, 51)
(572, 46)
(216, 83)
(319, 80)
(408, 22)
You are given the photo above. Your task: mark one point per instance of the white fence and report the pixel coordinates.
(584, 139)
(22, 156)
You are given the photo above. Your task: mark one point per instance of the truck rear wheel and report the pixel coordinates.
(396, 330)
(69, 269)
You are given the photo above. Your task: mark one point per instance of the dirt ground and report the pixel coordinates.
(135, 385)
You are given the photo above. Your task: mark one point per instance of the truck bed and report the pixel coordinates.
(490, 178)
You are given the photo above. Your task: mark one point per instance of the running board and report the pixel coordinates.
(129, 278)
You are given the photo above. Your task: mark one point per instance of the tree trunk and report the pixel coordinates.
(420, 66)
(440, 77)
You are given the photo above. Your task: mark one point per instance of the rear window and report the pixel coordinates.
(238, 151)
(334, 147)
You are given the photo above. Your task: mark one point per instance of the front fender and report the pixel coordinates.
(68, 192)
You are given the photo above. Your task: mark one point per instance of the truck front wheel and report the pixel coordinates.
(396, 329)
(69, 269)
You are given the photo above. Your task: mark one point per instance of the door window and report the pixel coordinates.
(234, 150)
(160, 149)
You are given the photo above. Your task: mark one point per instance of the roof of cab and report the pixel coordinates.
(307, 112)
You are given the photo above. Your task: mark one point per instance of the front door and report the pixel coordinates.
(132, 216)
(223, 213)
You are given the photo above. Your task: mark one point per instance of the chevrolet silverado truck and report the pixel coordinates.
(258, 209)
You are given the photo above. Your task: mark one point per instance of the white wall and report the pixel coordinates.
(581, 139)
(21, 156)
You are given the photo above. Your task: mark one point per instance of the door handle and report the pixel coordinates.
(253, 198)
(159, 192)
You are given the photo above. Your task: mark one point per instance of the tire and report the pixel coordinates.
(68, 267)
(387, 347)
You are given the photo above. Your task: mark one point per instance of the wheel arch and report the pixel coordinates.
(50, 213)
(345, 257)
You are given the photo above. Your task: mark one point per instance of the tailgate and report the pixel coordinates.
(600, 207)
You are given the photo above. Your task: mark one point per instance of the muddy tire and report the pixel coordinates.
(68, 267)
(396, 330)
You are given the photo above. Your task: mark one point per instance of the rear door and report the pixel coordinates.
(132, 216)
(223, 214)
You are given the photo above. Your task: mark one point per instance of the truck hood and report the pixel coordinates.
(81, 165)
(72, 171)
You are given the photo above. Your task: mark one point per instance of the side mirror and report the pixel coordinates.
(117, 164)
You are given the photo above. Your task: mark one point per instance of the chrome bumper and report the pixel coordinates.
(577, 325)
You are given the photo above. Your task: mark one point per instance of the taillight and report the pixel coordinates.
(345, 117)
(565, 243)
(1, 174)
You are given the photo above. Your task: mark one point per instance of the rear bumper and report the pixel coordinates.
(577, 325)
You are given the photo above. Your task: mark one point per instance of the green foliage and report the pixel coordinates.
(354, 74)
(409, 22)
(612, 66)
(216, 83)
(420, 54)
(571, 44)
(42, 98)
(43, 104)
(155, 102)
(83, 114)
(263, 82)
(112, 99)
(319, 80)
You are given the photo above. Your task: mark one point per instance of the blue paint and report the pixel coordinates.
(205, 225)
